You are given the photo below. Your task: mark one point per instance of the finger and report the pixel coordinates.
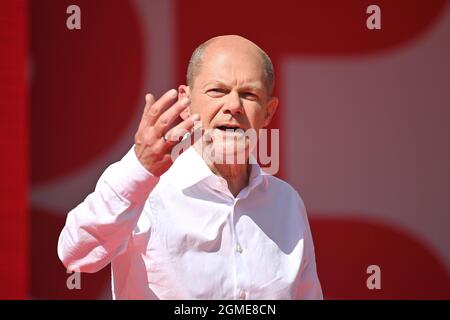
(149, 100)
(177, 133)
(176, 148)
(158, 108)
(196, 134)
(163, 124)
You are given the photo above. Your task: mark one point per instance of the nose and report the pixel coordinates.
(233, 104)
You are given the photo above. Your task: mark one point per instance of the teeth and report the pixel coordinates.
(227, 128)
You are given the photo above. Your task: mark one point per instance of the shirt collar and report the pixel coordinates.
(190, 168)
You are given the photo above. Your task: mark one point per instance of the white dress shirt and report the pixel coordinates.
(185, 236)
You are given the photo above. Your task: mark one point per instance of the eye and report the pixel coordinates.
(216, 92)
(249, 96)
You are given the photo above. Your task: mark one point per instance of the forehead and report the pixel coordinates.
(242, 66)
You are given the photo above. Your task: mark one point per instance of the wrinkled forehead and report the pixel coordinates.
(234, 65)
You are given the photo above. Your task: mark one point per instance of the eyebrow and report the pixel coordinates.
(249, 86)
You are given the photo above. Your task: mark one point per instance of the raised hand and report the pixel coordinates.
(159, 131)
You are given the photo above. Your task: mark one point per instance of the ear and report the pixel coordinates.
(270, 111)
(184, 92)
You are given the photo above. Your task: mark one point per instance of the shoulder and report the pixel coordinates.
(291, 210)
(282, 187)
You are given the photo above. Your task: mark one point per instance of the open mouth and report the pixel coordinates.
(229, 128)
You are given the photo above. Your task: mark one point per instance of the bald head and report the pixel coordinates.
(224, 44)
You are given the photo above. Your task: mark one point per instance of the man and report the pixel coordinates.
(199, 227)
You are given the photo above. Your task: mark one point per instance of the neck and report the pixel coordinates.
(236, 175)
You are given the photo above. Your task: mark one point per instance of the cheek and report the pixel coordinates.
(256, 118)
(205, 109)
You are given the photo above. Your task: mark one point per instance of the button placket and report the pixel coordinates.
(242, 271)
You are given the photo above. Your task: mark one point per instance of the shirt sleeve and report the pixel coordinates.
(99, 228)
(308, 284)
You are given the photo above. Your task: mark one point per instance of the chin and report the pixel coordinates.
(229, 152)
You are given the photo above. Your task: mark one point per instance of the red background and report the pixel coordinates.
(85, 87)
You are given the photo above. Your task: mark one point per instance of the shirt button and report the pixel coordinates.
(239, 248)
(242, 294)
